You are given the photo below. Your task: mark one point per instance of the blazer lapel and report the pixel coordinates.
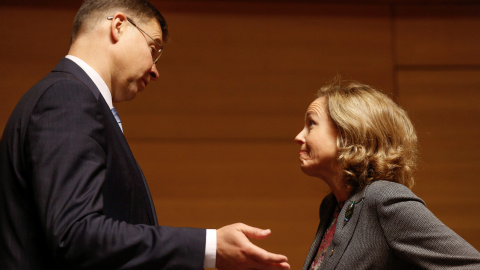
(344, 230)
(140, 182)
(326, 212)
(67, 65)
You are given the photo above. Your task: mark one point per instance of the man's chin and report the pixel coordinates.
(130, 96)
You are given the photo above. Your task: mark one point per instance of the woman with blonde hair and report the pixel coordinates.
(364, 147)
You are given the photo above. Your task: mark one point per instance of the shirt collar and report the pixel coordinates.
(97, 80)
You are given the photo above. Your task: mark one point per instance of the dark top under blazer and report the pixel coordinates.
(72, 195)
(390, 229)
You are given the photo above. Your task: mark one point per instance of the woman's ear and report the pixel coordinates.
(117, 26)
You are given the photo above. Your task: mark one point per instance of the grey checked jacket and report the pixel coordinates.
(390, 228)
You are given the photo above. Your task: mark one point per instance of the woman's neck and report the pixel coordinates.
(340, 189)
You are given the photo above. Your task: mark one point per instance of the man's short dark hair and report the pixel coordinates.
(138, 9)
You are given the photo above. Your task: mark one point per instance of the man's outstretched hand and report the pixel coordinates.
(235, 251)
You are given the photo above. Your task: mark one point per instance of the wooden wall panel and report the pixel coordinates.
(33, 41)
(245, 75)
(233, 91)
(438, 81)
(437, 35)
(445, 111)
(211, 184)
(214, 135)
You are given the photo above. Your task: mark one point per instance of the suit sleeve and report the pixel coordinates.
(416, 235)
(68, 161)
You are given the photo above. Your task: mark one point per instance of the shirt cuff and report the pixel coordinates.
(210, 249)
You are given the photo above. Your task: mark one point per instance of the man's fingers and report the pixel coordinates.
(276, 266)
(280, 266)
(235, 251)
(254, 233)
(262, 256)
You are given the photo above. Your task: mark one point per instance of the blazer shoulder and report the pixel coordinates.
(381, 191)
(67, 75)
(54, 85)
(57, 82)
(59, 94)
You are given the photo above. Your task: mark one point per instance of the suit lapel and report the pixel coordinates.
(67, 65)
(326, 212)
(123, 144)
(344, 231)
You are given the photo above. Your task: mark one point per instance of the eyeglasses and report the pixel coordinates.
(156, 53)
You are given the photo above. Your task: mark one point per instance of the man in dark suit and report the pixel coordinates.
(72, 195)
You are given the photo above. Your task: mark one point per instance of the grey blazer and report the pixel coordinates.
(390, 228)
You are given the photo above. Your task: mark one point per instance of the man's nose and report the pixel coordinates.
(154, 72)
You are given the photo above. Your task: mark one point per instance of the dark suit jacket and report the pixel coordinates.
(390, 229)
(72, 195)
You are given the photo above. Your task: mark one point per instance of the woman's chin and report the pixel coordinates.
(307, 170)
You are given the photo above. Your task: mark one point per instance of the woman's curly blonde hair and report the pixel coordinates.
(376, 140)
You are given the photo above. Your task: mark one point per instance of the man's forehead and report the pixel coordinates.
(152, 27)
(149, 25)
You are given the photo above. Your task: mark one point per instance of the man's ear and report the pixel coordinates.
(117, 27)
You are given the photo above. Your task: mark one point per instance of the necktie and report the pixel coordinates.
(119, 122)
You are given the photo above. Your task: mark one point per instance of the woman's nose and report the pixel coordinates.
(300, 138)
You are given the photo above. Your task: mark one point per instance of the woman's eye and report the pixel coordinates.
(311, 123)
